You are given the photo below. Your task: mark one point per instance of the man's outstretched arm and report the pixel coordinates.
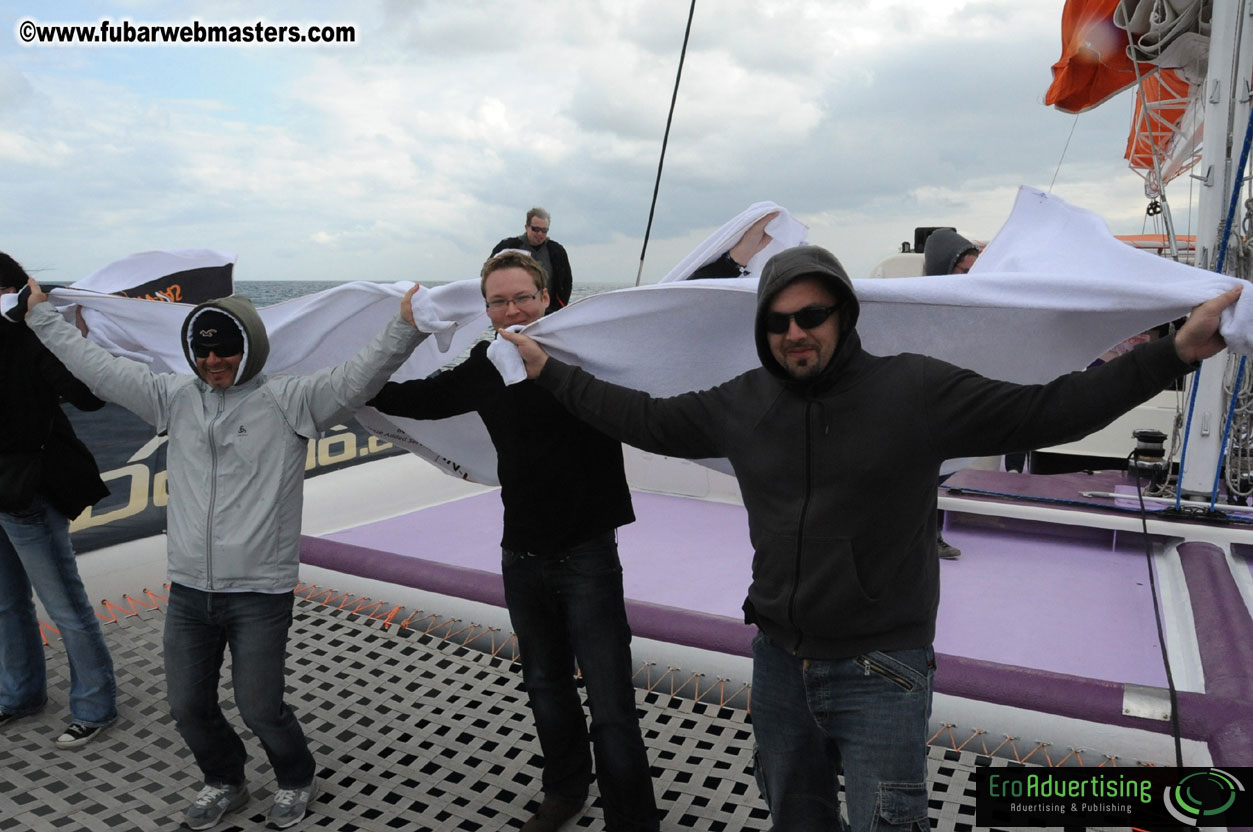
(330, 395)
(685, 426)
(112, 378)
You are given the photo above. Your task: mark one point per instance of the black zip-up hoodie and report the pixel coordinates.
(838, 472)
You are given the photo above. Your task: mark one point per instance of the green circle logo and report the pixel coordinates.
(1202, 795)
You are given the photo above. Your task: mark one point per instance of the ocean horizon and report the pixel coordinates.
(270, 292)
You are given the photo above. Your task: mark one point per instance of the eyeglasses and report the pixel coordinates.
(810, 317)
(517, 300)
(203, 350)
(539, 229)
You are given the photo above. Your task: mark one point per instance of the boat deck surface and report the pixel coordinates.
(687, 564)
(411, 730)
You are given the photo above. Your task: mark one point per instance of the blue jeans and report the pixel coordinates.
(565, 608)
(865, 716)
(35, 551)
(198, 628)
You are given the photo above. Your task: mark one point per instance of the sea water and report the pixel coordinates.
(270, 292)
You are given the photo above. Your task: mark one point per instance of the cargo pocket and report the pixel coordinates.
(901, 806)
(759, 775)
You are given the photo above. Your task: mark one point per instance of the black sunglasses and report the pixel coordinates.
(203, 350)
(539, 230)
(778, 323)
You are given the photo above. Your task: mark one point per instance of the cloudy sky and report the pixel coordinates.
(408, 154)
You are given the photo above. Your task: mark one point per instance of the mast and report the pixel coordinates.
(1226, 96)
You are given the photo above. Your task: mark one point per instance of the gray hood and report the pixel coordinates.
(943, 249)
(256, 342)
(786, 268)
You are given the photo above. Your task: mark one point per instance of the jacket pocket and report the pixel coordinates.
(831, 588)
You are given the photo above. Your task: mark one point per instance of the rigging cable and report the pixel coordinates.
(1157, 615)
(1231, 410)
(665, 139)
(1225, 231)
(1073, 124)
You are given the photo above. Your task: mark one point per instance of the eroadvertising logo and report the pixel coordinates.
(1144, 798)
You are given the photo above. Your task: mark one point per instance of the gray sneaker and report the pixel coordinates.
(290, 805)
(213, 802)
(947, 550)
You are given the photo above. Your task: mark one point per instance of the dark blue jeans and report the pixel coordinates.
(865, 716)
(35, 551)
(198, 628)
(569, 608)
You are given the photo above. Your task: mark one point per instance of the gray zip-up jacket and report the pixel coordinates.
(236, 457)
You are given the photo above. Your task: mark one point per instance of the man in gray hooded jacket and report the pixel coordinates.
(845, 585)
(235, 462)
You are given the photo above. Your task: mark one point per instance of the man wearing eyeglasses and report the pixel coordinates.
(565, 494)
(236, 464)
(837, 452)
(548, 253)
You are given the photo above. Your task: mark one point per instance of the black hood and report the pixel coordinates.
(786, 268)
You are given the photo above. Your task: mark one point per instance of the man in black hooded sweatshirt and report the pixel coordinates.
(845, 585)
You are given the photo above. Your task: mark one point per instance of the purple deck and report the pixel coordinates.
(659, 565)
(1048, 617)
(1013, 598)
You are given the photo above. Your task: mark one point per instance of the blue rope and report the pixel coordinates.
(1235, 194)
(1218, 267)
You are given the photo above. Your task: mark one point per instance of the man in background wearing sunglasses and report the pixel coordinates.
(565, 494)
(837, 452)
(548, 253)
(236, 465)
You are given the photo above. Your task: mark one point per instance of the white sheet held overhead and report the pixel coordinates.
(316, 331)
(785, 231)
(180, 276)
(1051, 292)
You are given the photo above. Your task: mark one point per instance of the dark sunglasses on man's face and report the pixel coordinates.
(538, 229)
(202, 351)
(778, 323)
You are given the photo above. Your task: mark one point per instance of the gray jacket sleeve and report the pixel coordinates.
(686, 426)
(114, 379)
(320, 400)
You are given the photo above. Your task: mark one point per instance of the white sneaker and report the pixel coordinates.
(290, 805)
(213, 802)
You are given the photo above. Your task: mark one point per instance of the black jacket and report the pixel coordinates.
(838, 475)
(560, 281)
(561, 481)
(31, 382)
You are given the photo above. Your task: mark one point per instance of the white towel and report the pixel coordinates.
(506, 358)
(785, 232)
